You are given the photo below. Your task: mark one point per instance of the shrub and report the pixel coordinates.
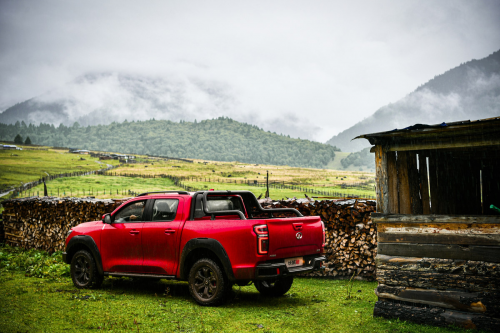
(33, 262)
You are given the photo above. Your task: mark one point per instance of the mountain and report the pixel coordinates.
(221, 139)
(101, 98)
(469, 91)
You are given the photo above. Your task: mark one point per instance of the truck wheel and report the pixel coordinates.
(84, 271)
(207, 284)
(274, 288)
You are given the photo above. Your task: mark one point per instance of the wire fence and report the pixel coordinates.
(27, 187)
(180, 181)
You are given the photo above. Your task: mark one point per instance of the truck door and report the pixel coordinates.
(160, 236)
(121, 241)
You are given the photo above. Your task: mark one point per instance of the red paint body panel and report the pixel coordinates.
(283, 240)
(121, 245)
(161, 243)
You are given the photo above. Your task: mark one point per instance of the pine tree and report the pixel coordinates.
(27, 141)
(18, 139)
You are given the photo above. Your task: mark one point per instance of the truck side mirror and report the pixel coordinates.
(106, 219)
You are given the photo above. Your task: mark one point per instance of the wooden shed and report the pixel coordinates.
(438, 258)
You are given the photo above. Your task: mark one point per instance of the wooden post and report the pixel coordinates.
(382, 180)
(403, 183)
(433, 183)
(414, 184)
(490, 186)
(424, 183)
(392, 174)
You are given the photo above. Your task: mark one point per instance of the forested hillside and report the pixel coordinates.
(221, 139)
(360, 159)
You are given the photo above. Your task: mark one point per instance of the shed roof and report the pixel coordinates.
(459, 134)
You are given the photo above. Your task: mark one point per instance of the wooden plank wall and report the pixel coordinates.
(437, 181)
(439, 269)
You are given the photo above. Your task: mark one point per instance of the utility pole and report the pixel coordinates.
(267, 184)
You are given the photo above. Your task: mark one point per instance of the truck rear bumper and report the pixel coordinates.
(275, 269)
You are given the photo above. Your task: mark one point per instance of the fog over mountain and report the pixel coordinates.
(102, 98)
(308, 70)
(469, 91)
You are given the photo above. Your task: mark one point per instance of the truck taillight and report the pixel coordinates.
(262, 238)
(324, 233)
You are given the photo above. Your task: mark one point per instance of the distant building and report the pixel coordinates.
(11, 147)
(79, 151)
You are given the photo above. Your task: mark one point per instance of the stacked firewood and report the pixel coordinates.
(351, 237)
(2, 234)
(44, 222)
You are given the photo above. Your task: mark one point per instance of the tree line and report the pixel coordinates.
(220, 139)
(359, 159)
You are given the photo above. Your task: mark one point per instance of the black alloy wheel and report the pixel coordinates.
(207, 284)
(274, 288)
(84, 271)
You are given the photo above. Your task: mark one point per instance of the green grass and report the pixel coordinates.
(53, 304)
(106, 187)
(18, 167)
(335, 163)
(23, 166)
(103, 187)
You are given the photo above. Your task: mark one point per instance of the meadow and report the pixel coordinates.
(148, 174)
(23, 166)
(38, 295)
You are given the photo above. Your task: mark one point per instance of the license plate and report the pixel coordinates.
(292, 262)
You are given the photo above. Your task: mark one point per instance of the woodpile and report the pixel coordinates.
(44, 222)
(351, 237)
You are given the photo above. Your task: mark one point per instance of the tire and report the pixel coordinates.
(84, 271)
(207, 284)
(274, 288)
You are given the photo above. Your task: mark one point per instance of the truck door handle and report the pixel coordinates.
(134, 232)
(169, 231)
(297, 226)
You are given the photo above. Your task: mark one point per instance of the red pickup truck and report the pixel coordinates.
(212, 239)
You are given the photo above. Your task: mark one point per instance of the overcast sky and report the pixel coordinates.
(327, 64)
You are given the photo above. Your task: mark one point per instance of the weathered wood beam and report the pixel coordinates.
(441, 143)
(436, 265)
(490, 172)
(382, 180)
(441, 281)
(435, 316)
(424, 183)
(487, 303)
(392, 174)
(433, 182)
(472, 252)
(466, 219)
(414, 184)
(464, 239)
(403, 183)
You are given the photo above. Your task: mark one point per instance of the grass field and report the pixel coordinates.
(18, 167)
(34, 304)
(23, 166)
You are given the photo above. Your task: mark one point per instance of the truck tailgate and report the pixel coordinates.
(291, 237)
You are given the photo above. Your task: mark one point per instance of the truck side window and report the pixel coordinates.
(131, 213)
(165, 209)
